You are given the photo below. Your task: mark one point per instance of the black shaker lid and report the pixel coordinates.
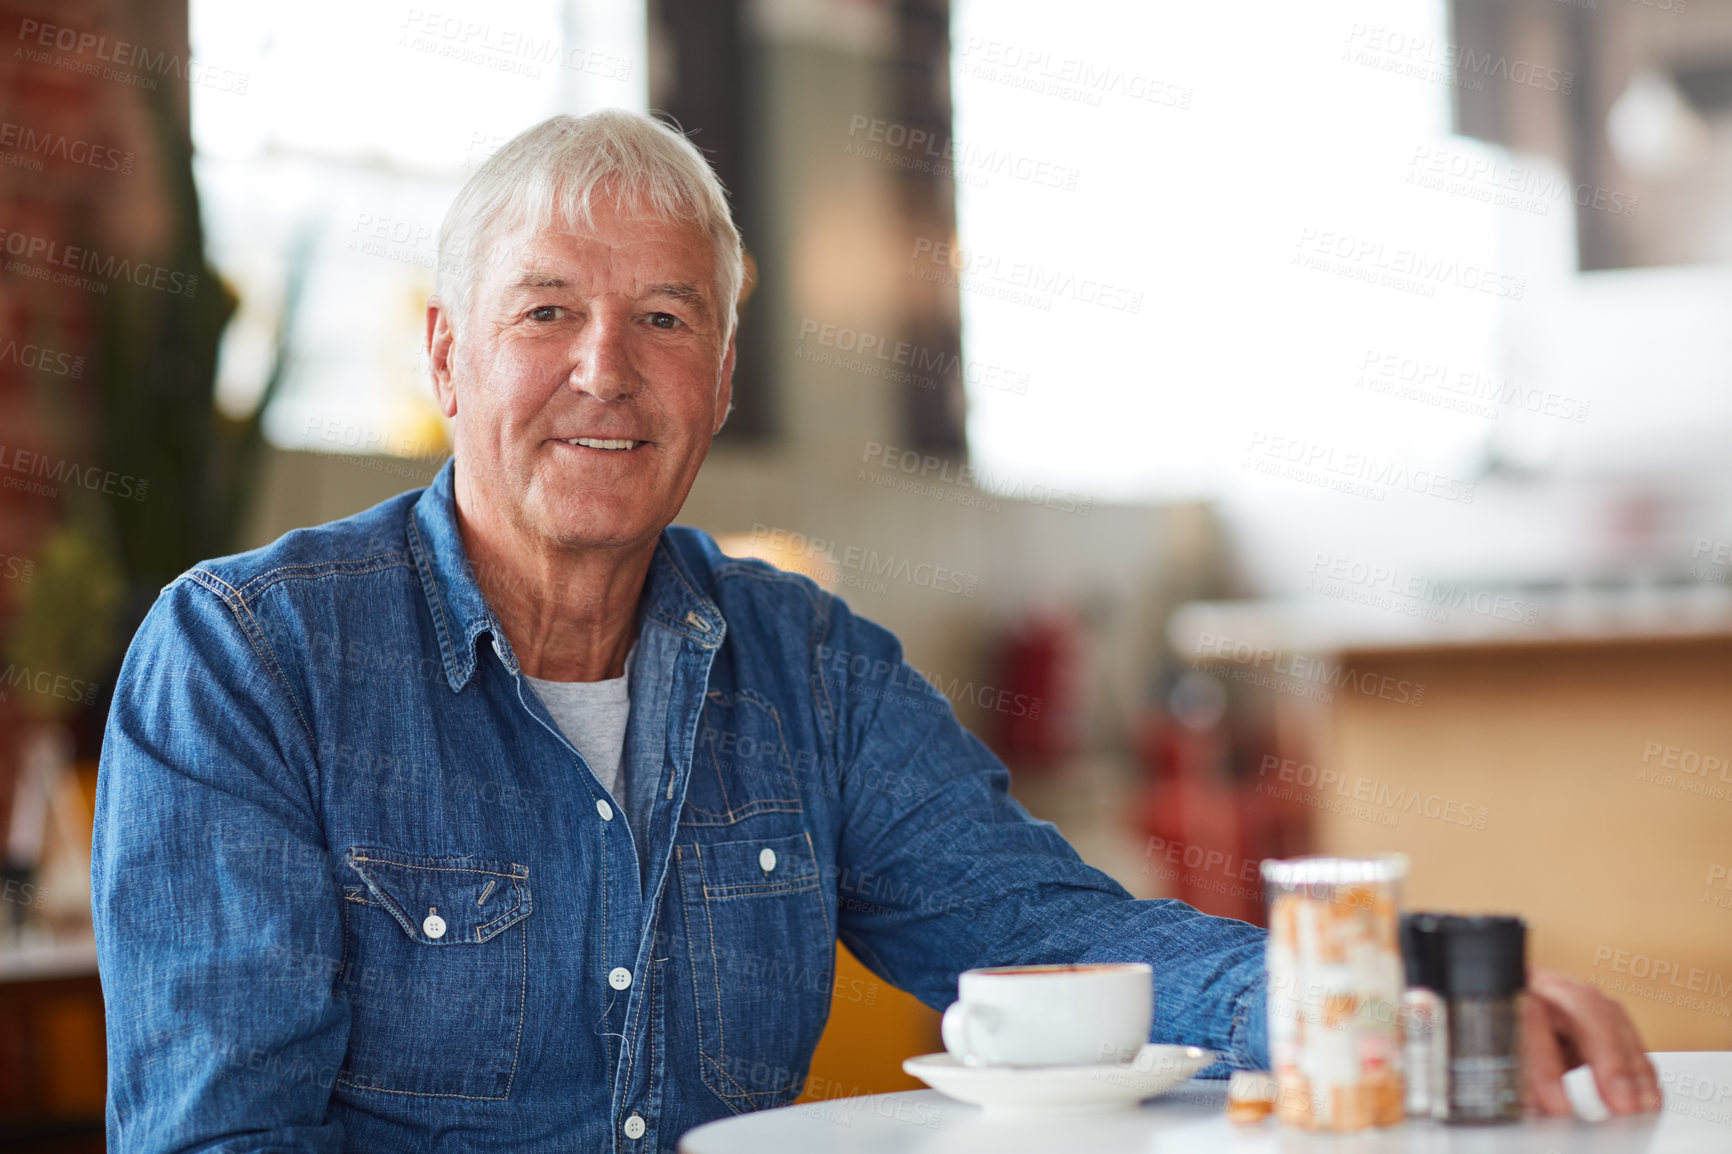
(1422, 950)
(1483, 957)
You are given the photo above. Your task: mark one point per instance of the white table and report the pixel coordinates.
(1191, 1120)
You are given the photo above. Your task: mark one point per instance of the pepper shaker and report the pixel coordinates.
(1485, 979)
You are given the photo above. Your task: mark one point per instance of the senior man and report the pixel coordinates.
(504, 817)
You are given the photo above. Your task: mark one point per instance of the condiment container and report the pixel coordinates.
(1334, 995)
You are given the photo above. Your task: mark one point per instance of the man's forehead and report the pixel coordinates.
(652, 250)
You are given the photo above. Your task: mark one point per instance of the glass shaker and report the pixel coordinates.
(1335, 988)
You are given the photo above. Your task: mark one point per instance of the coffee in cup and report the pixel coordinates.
(1051, 1015)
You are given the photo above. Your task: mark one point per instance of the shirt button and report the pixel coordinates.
(766, 859)
(634, 1127)
(619, 978)
(434, 926)
(604, 809)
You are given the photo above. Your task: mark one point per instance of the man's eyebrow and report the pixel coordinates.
(686, 293)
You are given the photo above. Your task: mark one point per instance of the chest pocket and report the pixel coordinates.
(762, 964)
(741, 764)
(434, 964)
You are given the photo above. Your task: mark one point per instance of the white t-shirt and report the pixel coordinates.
(592, 715)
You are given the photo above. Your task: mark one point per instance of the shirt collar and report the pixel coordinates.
(461, 614)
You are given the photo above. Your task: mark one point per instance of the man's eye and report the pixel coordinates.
(544, 313)
(664, 320)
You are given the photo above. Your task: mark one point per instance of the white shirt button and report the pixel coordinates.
(604, 809)
(619, 978)
(634, 1127)
(434, 926)
(766, 859)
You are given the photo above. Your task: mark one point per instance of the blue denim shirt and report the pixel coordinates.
(355, 891)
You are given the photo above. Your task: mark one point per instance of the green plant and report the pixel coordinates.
(62, 635)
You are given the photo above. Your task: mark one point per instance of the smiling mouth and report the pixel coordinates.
(608, 444)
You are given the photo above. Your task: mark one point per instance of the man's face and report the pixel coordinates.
(588, 379)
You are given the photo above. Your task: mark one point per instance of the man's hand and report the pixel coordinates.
(1566, 1023)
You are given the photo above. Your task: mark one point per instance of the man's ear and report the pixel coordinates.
(725, 393)
(441, 341)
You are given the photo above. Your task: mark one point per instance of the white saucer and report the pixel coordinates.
(1042, 1091)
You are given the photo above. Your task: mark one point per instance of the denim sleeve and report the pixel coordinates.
(218, 928)
(942, 870)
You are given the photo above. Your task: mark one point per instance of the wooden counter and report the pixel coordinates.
(1580, 776)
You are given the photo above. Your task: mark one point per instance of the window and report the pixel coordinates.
(358, 125)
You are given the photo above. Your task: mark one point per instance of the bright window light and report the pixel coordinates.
(1245, 240)
(357, 125)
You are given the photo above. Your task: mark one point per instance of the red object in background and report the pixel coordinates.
(1037, 722)
(1210, 829)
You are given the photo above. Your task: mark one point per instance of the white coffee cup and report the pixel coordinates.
(1051, 1015)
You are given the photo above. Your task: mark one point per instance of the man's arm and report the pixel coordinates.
(218, 924)
(941, 870)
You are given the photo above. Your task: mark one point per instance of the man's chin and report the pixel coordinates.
(613, 534)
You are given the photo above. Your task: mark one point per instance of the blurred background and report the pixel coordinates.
(1300, 427)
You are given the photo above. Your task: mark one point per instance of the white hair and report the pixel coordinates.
(556, 167)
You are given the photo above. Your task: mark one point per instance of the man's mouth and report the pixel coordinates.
(610, 444)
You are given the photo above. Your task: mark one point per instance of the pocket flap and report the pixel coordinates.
(472, 898)
(736, 869)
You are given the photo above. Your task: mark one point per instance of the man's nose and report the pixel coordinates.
(603, 365)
